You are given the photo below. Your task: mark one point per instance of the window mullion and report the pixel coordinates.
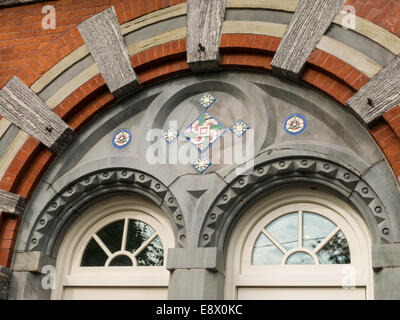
(274, 241)
(300, 229)
(145, 244)
(125, 234)
(102, 245)
(325, 241)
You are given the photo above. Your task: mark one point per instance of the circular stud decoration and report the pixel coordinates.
(295, 124)
(122, 138)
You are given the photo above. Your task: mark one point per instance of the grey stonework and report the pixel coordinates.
(32, 261)
(203, 268)
(198, 258)
(27, 285)
(386, 256)
(196, 284)
(387, 284)
(7, 138)
(357, 172)
(46, 93)
(5, 282)
(386, 264)
(30, 275)
(370, 48)
(199, 194)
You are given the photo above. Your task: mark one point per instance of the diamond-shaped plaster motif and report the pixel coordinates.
(207, 100)
(170, 134)
(239, 128)
(201, 165)
(204, 131)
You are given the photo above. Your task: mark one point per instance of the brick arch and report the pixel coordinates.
(252, 52)
(29, 54)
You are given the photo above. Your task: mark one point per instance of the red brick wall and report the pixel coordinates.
(387, 134)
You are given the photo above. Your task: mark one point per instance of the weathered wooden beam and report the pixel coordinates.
(378, 95)
(204, 25)
(22, 107)
(108, 48)
(11, 203)
(309, 23)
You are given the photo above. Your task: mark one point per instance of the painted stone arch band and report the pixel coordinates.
(272, 175)
(49, 227)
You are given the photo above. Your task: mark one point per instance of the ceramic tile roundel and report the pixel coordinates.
(295, 124)
(121, 138)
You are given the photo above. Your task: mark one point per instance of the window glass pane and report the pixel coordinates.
(336, 251)
(315, 229)
(121, 261)
(138, 232)
(94, 256)
(300, 258)
(285, 230)
(152, 255)
(265, 252)
(111, 235)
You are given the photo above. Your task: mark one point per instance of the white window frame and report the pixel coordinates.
(70, 273)
(241, 273)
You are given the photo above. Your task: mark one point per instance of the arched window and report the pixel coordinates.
(301, 238)
(124, 243)
(299, 244)
(116, 250)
